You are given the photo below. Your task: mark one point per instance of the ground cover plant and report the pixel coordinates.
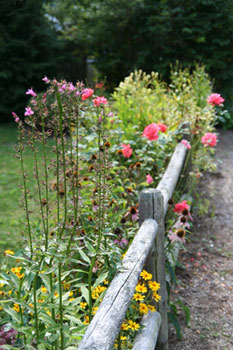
(86, 195)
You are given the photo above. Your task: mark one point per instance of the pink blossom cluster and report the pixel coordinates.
(151, 131)
(209, 139)
(215, 99)
(127, 150)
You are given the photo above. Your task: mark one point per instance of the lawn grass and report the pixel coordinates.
(13, 233)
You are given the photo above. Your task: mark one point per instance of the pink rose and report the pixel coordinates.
(87, 93)
(127, 150)
(209, 139)
(215, 99)
(162, 127)
(149, 179)
(100, 100)
(186, 144)
(179, 207)
(151, 132)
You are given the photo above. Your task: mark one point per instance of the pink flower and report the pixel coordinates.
(179, 236)
(127, 150)
(121, 242)
(149, 179)
(162, 127)
(186, 144)
(87, 93)
(209, 139)
(100, 100)
(179, 207)
(15, 116)
(46, 80)
(31, 92)
(215, 99)
(28, 111)
(151, 132)
(71, 87)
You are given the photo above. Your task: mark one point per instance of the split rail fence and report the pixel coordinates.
(146, 251)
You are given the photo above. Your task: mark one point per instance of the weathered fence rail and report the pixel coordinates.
(147, 248)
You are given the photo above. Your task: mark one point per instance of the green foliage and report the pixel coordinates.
(84, 192)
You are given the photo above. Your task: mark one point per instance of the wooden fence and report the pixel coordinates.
(146, 249)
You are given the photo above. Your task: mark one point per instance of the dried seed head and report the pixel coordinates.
(107, 144)
(185, 211)
(180, 233)
(183, 219)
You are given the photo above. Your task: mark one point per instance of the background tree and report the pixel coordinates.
(28, 50)
(151, 35)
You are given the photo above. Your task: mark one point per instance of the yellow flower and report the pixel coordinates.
(143, 309)
(106, 281)
(123, 337)
(86, 319)
(9, 252)
(83, 305)
(141, 288)
(146, 275)
(125, 326)
(10, 292)
(156, 296)
(138, 297)
(2, 293)
(154, 286)
(1, 308)
(16, 307)
(71, 299)
(151, 308)
(41, 301)
(66, 285)
(2, 284)
(43, 289)
(71, 293)
(94, 310)
(56, 294)
(133, 325)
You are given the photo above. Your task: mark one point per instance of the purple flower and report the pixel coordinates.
(15, 116)
(31, 92)
(28, 111)
(46, 80)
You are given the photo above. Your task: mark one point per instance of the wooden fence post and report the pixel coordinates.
(151, 205)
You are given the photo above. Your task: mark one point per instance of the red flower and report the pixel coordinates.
(179, 207)
(162, 127)
(151, 132)
(87, 93)
(209, 139)
(100, 100)
(99, 85)
(215, 99)
(127, 150)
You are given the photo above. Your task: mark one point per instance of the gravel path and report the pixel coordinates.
(206, 282)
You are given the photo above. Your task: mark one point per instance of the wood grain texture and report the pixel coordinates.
(151, 204)
(171, 175)
(104, 327)
(147, 337)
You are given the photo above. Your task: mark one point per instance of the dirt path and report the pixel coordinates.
(206, 284)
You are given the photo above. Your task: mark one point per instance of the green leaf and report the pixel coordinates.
(100, 279)
(85, 293)
(85, 257)
(176, 324)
